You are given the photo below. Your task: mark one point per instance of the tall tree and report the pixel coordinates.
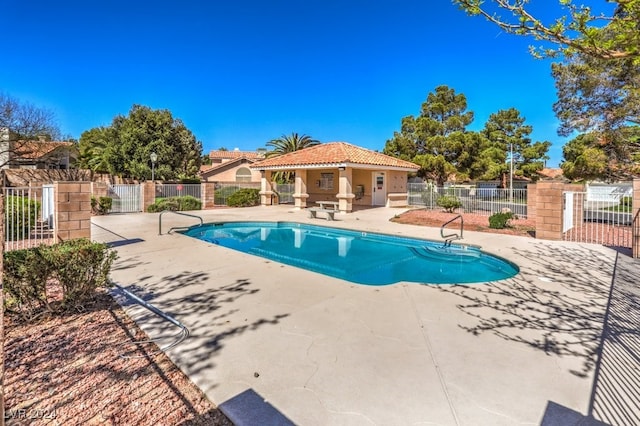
(579, 28)
(588, 157)
(20, 123)
(435, 139)
(509, 135)
(27, 121)
(285, 144)
(125, 146)
(602, 99)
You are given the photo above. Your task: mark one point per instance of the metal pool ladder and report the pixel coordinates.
(175, 227)
(451, 237)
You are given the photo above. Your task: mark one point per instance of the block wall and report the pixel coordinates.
(72, 210)
(207, 195)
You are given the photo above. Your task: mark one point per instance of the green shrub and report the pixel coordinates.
(500, 220)
(449, 203)
(221, 195)
(101, 205)
(626, 201)
(245, 197)
(21, 215)
(187, 181)
(79, 267)
(185, 202)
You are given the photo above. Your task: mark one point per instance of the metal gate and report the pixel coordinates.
(125, 198)
(600, 220)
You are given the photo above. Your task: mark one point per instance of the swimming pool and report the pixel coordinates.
(356, 256)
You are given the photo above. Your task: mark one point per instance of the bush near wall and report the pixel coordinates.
(72, 270)
(185, 202)
(449, 203)
(245, 197)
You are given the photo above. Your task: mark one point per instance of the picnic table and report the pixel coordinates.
(328, 205)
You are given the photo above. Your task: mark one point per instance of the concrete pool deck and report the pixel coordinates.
(271, 343)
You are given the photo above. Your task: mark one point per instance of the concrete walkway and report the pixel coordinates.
(276, 344)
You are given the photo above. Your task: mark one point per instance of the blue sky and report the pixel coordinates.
(240, 73)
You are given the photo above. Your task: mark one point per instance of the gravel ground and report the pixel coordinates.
(472, 222)
(81, 369)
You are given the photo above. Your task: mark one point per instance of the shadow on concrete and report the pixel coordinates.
(249, 408)
(206, 309)
(615, 397)
(558, 415)
(120, 241)
(556, 307)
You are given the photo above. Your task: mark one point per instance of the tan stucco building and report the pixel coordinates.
(338, 171)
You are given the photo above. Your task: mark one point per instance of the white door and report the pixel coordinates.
(379, 189)
(567, 214)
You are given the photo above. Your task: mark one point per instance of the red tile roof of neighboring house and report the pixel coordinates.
(223, 166)
(334, 154)
(550, 173)
(232, 155)
(32, 150)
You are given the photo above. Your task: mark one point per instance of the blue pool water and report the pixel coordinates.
(359, 257)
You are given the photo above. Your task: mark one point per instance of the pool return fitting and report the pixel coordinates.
(180, 336)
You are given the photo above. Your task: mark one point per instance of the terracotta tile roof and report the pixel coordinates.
(208, 169)
(36, 149)
(232, 155)
(334, 154)
(550, 173)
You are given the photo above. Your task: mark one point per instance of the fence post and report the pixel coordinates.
(72, 210)
(207, 194)
(635, 215)
(148, 194)
(549, 210)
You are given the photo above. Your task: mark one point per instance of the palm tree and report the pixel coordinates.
(284, 145)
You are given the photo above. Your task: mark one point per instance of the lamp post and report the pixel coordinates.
(511, 172)
(154, 158)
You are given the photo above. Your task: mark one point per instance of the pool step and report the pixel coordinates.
(447, 254)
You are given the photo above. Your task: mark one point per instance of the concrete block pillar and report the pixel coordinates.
(72, 218)
(208, 195)
(549, 210)
(148, 194)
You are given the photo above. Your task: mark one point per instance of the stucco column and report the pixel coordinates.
(300, 194)
(635, 214)
(266, 191)
(345, 193)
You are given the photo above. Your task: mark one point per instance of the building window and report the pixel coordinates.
(326, 181)
(243, 175)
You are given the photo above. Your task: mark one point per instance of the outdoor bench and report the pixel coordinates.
(313, 211)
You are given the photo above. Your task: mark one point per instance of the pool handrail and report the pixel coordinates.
(450, 237)
(175, 227)
(179, 338)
